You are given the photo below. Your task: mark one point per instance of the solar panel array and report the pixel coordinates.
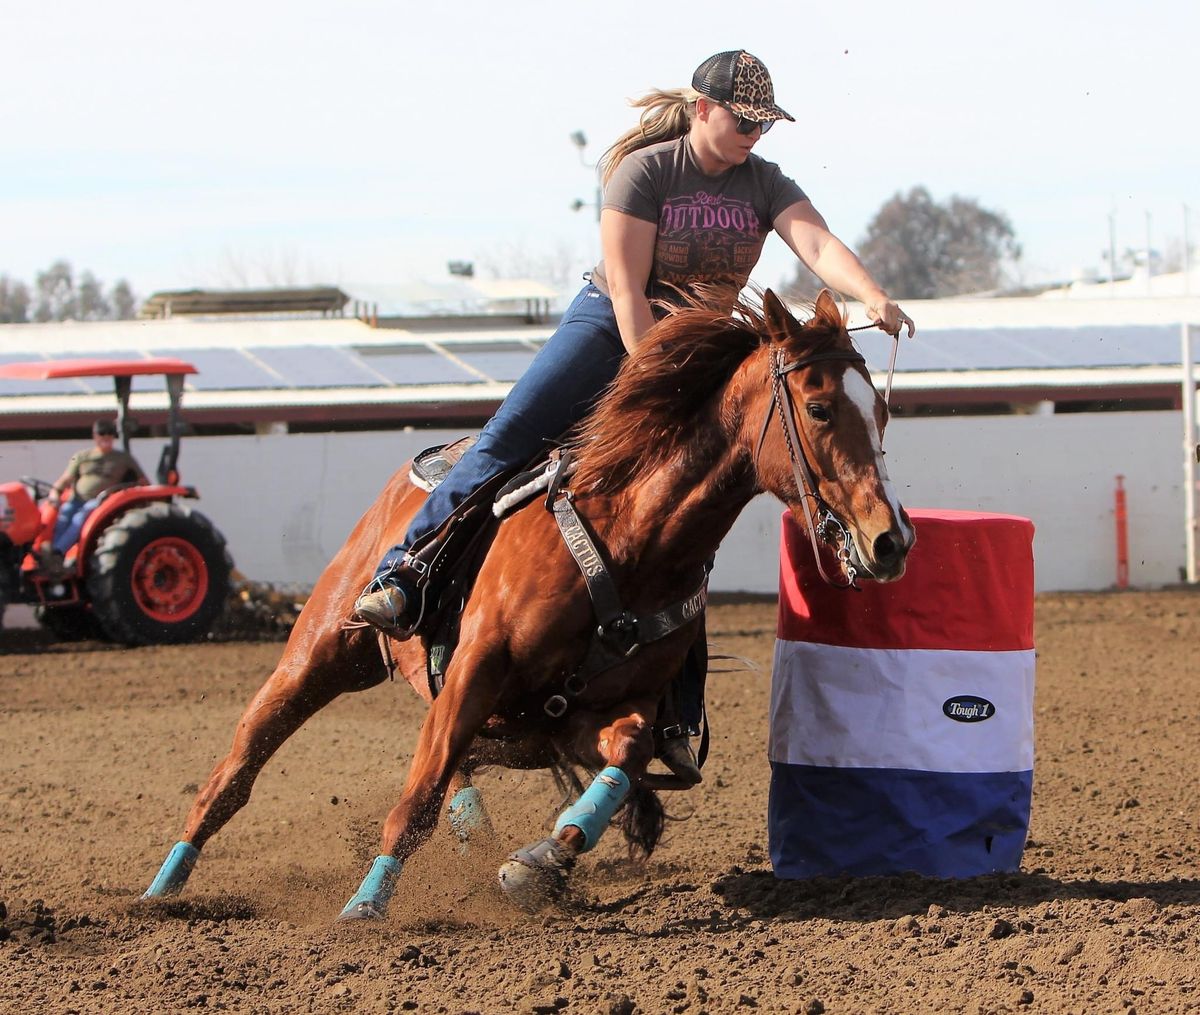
(482, 361)
(1026, 348)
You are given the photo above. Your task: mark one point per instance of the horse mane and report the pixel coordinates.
(660, 401)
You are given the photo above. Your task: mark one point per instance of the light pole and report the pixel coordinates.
(579, 140)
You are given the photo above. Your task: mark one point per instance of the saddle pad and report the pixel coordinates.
(524, 486)
(429, 468)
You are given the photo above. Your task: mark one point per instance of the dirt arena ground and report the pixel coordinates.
(103, 749)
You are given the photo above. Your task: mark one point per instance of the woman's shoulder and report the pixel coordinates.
(659, 153)
(770, 178)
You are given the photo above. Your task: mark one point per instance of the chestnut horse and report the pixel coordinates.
(712, 409)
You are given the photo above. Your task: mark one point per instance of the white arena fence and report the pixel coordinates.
(286, 502)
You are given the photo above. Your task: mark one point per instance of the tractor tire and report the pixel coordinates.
(68, 623)
(159, 576)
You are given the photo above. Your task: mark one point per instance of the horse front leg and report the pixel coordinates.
(455, 717)
(537, 875)
(308, 677)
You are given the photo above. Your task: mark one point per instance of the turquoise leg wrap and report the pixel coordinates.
(592, 812)
(378, 885)
(174, 872)
(466, 813)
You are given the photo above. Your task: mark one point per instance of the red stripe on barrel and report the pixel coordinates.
(968, 586)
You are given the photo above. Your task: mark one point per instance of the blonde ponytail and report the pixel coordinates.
(668, 115)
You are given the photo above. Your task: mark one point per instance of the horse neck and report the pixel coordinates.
(665, 526)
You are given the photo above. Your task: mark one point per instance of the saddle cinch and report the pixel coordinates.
(460, 545)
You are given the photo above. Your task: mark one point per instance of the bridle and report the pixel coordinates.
(821, 520)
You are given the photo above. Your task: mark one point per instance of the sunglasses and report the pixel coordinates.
(745, 126)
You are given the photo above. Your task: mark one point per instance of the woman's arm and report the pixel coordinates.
(627, 244)
(804, 230)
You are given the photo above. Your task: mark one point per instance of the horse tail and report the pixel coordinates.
(566, 781)
(641, 821)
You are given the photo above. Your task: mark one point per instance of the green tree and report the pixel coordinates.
(14, 301)
(122, 302)
(91, 304)
(919, 249)
(56, 298)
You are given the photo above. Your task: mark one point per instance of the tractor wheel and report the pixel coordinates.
(159, 575)
(68, 623)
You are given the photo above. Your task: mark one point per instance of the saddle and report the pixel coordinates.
(455, 551)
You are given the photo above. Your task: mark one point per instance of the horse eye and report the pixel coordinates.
(818, 412)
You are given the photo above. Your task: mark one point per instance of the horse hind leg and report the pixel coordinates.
(537, 875)
(300, 686)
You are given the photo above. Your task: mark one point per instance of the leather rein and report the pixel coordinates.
(820, 519)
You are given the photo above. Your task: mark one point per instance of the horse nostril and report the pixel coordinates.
(885, 548)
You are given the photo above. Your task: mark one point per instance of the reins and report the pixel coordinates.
(887, 391)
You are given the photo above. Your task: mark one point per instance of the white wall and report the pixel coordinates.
(286, 502)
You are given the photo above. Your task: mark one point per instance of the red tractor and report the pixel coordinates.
(146, 569)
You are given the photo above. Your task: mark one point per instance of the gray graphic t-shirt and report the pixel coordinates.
(711, 229)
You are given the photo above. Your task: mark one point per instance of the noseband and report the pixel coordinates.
(822, 521)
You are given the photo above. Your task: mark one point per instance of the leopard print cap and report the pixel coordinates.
(740, 81)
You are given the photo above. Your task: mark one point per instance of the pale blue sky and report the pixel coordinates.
(180, 145)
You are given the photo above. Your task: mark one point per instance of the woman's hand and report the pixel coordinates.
(890, 318)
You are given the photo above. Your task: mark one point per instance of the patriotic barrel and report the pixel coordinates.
(902, 715)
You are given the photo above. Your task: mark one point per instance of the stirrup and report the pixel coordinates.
(396, 626)
(677, 754)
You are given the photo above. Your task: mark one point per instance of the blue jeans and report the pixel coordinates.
(71, 517)
(559, 389)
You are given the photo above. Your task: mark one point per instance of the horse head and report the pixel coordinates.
(820, 447)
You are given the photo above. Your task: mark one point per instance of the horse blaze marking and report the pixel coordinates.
(968, 708)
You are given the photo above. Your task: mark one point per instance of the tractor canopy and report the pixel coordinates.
(122, 372)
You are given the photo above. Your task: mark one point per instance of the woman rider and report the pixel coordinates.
(686, 202)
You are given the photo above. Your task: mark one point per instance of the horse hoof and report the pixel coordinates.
(535, 876)
(361, 911)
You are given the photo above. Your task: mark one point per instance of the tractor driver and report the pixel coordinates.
(90, 473)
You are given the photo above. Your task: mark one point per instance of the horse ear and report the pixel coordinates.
(779, 321)
(826, 311)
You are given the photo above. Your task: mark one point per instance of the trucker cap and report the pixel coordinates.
(740, 81)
